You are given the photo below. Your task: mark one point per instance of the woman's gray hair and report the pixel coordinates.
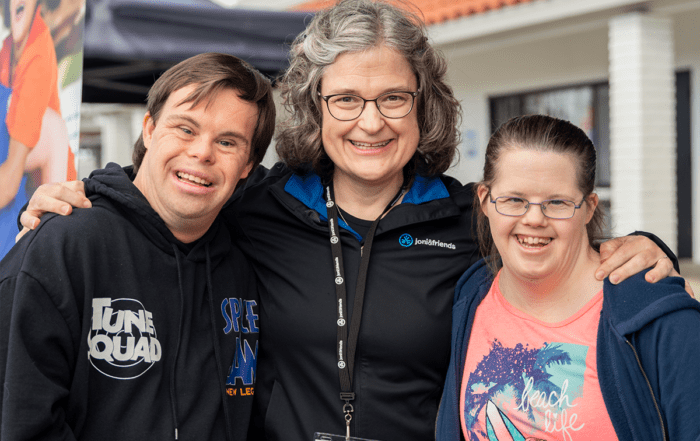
(356, 26)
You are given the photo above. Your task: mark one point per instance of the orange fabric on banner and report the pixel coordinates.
(34, 86)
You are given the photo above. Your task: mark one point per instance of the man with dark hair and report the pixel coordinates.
(138, 319)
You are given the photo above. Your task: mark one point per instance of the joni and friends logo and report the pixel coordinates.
(406, 240)
(122, 342)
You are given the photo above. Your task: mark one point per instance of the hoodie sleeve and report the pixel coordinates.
(37, 361)
(669, 350)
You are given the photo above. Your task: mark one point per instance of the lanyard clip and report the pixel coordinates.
(347, 396)
(347, 410)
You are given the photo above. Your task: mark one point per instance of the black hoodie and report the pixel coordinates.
(112, 329)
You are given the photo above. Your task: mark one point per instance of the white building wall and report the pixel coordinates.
(117, 138)
(477, 72)
(119, 127)
(687, 49)
(642, 126)
(695, 155)
(570, 53)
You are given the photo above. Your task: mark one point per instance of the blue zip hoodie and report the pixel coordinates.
(648, 353)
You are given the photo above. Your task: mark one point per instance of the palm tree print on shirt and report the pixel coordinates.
(527, 386)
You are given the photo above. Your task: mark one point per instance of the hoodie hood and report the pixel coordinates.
(115, 183)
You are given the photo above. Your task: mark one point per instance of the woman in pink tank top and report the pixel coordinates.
(541, 349)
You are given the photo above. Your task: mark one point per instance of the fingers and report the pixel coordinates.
(607, 248)
(24, 231)
(57, 198)
(662, 269)
(29, 222)
(632, 255)
(674, 273)
(689, 289)
(625, 256)
(73, 193)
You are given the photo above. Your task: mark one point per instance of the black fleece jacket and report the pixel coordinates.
(419, 250)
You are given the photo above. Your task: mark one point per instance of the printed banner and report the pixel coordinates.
(41, 63)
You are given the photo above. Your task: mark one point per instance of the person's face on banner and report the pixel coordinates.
(22, 15)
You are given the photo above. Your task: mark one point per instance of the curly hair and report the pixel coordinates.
(355, 26)
(545, 134)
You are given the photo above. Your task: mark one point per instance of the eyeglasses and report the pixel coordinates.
(346, 107)
(552, 208)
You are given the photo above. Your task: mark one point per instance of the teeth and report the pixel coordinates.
(369, 145)
(194, 179)
(534, 241)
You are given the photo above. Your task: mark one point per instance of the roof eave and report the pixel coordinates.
(518, 16)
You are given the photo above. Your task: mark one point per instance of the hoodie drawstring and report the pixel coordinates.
(217, 356)
(173, 395)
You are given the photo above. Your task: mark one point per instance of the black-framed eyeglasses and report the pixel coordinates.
(551, 208)
(346, 106)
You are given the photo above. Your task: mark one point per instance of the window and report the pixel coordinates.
(586, 106)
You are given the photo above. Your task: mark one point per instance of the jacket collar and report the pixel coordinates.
(309, 190)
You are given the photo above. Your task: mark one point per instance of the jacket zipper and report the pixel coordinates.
(651, 391)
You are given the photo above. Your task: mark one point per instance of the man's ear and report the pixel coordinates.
(147, 129)
(246, 171)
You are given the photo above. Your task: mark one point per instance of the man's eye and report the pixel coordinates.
(186, 130)
(226, 143)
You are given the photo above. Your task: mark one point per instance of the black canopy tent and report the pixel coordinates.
(129, 43)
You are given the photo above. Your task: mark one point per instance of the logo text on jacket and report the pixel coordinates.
(406, 240)
(240, 317)
(122, 342)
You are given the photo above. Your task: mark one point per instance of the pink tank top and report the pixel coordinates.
(527, 380)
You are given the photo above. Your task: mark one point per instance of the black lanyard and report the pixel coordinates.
(346, 346)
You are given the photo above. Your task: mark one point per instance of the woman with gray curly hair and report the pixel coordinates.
(361, 27)
(349, 346)
(358, 213)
